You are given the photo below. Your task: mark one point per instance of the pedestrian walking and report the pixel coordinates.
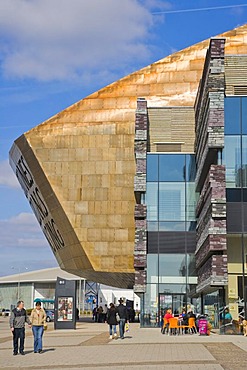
(111, 320)
(38, 320)
(17, 321)
(105, 310)
(100, 314)
(124, 317)
(94, 318)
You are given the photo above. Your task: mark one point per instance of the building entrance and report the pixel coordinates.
(175, 302)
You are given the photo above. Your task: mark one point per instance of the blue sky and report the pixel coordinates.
(56, 52)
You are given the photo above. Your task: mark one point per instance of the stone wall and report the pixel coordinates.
(210, 178)
(213, 273)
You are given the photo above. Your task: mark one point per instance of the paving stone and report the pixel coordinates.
(89, 347)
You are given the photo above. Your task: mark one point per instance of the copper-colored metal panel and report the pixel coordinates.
(82, 161)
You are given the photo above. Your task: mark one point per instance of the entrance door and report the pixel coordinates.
(174, 301)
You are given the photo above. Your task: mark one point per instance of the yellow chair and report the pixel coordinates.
(192, 325)
(173, 325)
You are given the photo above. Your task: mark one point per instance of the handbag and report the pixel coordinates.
(117, 317)
(45, 325)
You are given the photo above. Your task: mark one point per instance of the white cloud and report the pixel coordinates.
(23, 218)
(63, 39)
(23, 245)
(21, 231)
(7, 176)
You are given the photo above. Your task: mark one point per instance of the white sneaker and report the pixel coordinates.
(110, 337)
(115, 334)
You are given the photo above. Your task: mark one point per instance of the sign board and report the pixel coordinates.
(65, 304)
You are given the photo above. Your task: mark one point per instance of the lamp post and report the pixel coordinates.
(19, 280)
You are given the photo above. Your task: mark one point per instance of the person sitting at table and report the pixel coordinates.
(185, 320)
(191, 315)
(167, 317)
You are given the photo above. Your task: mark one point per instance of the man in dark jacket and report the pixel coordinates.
(124, 317)
(17, 321)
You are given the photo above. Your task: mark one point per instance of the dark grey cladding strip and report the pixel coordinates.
(140, 251)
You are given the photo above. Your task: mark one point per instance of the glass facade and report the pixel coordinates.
(235, 160)
(170, 200)
(235, 151)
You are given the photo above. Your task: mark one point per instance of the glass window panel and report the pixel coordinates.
(244, 115)
(234, 252)
(172, 288)
(172, 265)
(150, 307)
(232, 161)
(245, 195)
(152, 268)
(232, 116)
(244, 161)
(152, 201)
(165, 303)
(143, 198)
(152, 226)
(172, 201)
(152, 167)
(191, 262)
(9, 293)
(172, 167)
(190, 201)
(233, 195)
(190, 167)
(152, 242)
(172, 226)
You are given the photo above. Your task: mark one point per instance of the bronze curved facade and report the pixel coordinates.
(77, 169)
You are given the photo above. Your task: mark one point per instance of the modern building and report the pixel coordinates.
(41, 284)
(31, 285)
(143, 183)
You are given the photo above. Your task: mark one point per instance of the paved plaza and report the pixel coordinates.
(89, 347)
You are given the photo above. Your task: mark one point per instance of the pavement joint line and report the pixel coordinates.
(27, 334)
(125, 364)
(112, 341)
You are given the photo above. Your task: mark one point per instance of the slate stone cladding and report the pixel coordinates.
(211, 245)
(209, 110)
(140, 251)
(140, 211)
(213, 272)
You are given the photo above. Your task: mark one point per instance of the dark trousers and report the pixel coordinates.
(18, 333)
(121, 327)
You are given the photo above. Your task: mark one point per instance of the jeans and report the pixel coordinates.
(37, 336)
(114, 329)
(18, 333)
(121, 327)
